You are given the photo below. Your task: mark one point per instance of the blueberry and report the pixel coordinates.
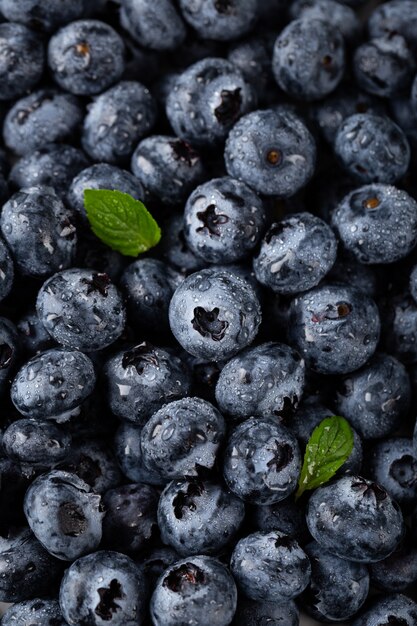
(265, 381)
(6, 270)
(54, 166)
(39, 231)
(206, 100)
(22, 60)
(81, 309)
(9, 351)
(252, 613)
(288, 568)
(376, 213)
(95, 255)
(262, 461)
(93, 462)
(338, 15)
(197, 517)
(285, 516)
(271, 151)
(156, 27)
(309, 58)
(413, 283)
(175, 249)
(36, 443)
(129, 455)
(103, 587)
(168, 167)
(384, 66)
(394, 18)
(398, 572)
(156, 561)
(64, 514)
(45, 116)
(116, 120)
(355, 519)
(85, 57)
(221, 20)
(393, 464)
(53, 384)
(372, 148)
(33, 335)
(130, 518)
(213, 314)
(224, 221)
(399, 334)
(376, 398)
(182, 438)
(46, 15)
(391, 609)
(252, 56)
(27, 570)
(101, 176)
(142, 379)
(337, 589)
(148, 287)
(335, 328)
(198, 589)
(31, 612)
(295, 254)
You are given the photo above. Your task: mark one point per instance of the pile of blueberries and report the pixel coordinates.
(155, 411)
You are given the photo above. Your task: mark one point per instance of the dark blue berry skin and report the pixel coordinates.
(53, 165)
(376, 398)
(384, 66)
(22, 60)
(101, 176)
(45, 15)
(396, 573)
(296, 253)
(252, 613)
(399, 324)
(224, 220)
(348, 270)
(81, 309)
(147, 286)
(93, 254)
(271, 151)
(36, 443)
(52, 384)
(38, 611)
(86, 57)
(175, 249)
(93, 462)
(413, 283)
(156, 27)
(33, 335)
(262, 461)
(182, 438)
(130, 518)
(338, 15)
(355, 519)
(206, 100)
(116, 120)
(391, 609)
(27, 570)
(196, 517)
(372, 148)
(309, 59)
(392, 463)
(377, 223)
(129, 455)
(252, 57)
(104, 588)
(168, 167)
(335, 328)
(6, 270)
(288, 568)
(395, 18)
(265, 381)
(156, 561)
(337, 589)
(64, 514)
(220, 20)
(45, 116)
(9, 351)
(214, 314)
(198, 589)
(39, 230)
(142, 379)
(285, 516)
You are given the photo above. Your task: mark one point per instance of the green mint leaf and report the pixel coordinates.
(120, 221)
(329, 446)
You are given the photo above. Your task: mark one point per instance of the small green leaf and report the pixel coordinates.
(329, 446)
(120, 221)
